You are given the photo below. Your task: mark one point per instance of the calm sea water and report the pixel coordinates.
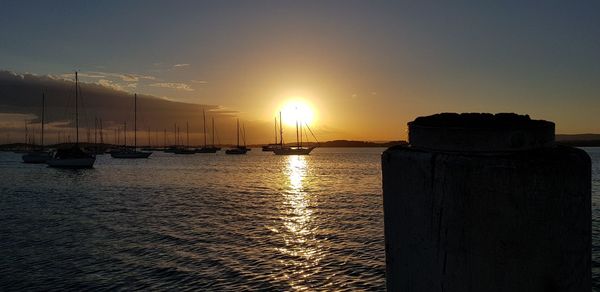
(203, 222)
(199, 222)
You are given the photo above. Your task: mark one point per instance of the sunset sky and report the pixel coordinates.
(365, 68)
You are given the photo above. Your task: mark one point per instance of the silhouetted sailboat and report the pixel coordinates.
(271, 147)
(294, 150)
(40, 155)
(174, 147)
(239, 149)
(128, 153)
(187, 149)
(73, 157)
(205, 148)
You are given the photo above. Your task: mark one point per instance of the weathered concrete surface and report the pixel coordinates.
(494, 221)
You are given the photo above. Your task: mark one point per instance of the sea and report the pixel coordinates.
(203, 222)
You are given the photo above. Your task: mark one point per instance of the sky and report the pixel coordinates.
(365, 68)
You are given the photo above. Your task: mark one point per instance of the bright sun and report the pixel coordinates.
(296, 110)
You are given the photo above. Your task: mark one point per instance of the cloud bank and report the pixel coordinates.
(21, 95)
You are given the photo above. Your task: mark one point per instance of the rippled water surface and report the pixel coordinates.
(203, 222)
(199, 222)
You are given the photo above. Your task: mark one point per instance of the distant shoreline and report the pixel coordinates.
(327, 144)
(580, 143)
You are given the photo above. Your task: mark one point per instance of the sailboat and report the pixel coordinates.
(294, 150)
(74, 156)
(39, 156)
(271, 147)
(239, 149)
(205, 148)
(172, 148)
(187, 149)
(128, 153)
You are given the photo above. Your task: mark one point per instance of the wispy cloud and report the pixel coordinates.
(126, 77)
(181, 65)
(199, 81)
(173, 85)
(109, 84)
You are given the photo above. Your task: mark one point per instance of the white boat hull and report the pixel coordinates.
(72, 162)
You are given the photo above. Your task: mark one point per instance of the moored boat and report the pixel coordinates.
(206, 148)
(128, 153)
(73, 157)
(39, 156)
(293, 150)
(187, 149)
(238, 149)
(271, 147)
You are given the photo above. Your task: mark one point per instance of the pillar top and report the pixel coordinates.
(480, 132)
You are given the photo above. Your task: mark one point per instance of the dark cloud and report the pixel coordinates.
(21, 95)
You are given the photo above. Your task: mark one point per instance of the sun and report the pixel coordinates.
(297, 111)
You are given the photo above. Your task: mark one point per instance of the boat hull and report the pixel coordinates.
(270, 147)
(236, 151)
(293, 150)
(184, 151)
(36, 157)
(130, 154)
(87, 162)
(207, 150)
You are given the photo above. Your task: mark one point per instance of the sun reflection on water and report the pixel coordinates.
(300, 245)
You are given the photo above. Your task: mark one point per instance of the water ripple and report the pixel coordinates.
(260, 222)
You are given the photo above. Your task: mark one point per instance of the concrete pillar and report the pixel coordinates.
(482, 202)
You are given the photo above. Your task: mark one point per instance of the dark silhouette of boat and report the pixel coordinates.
(74, 156)
(187, 149)
(238, 149)
(128, 153)
(293, 150)
(206, 148)
(271, 147)
(40, 155)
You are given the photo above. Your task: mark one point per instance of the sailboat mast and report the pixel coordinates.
(76, 108)
(213, 131)
(95, 131)
(244, 134)
(280, 130)
(301, 132)
(165, 138)
(275, 130)
(125, 133)
(101, 132)
(238, 133)
(43, 111)
(297, 139)
(134, 121)
(204, 124)
(187, 133)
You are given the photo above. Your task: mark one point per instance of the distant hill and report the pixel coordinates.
(577, 137)
(579, 140)
(349, 143)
